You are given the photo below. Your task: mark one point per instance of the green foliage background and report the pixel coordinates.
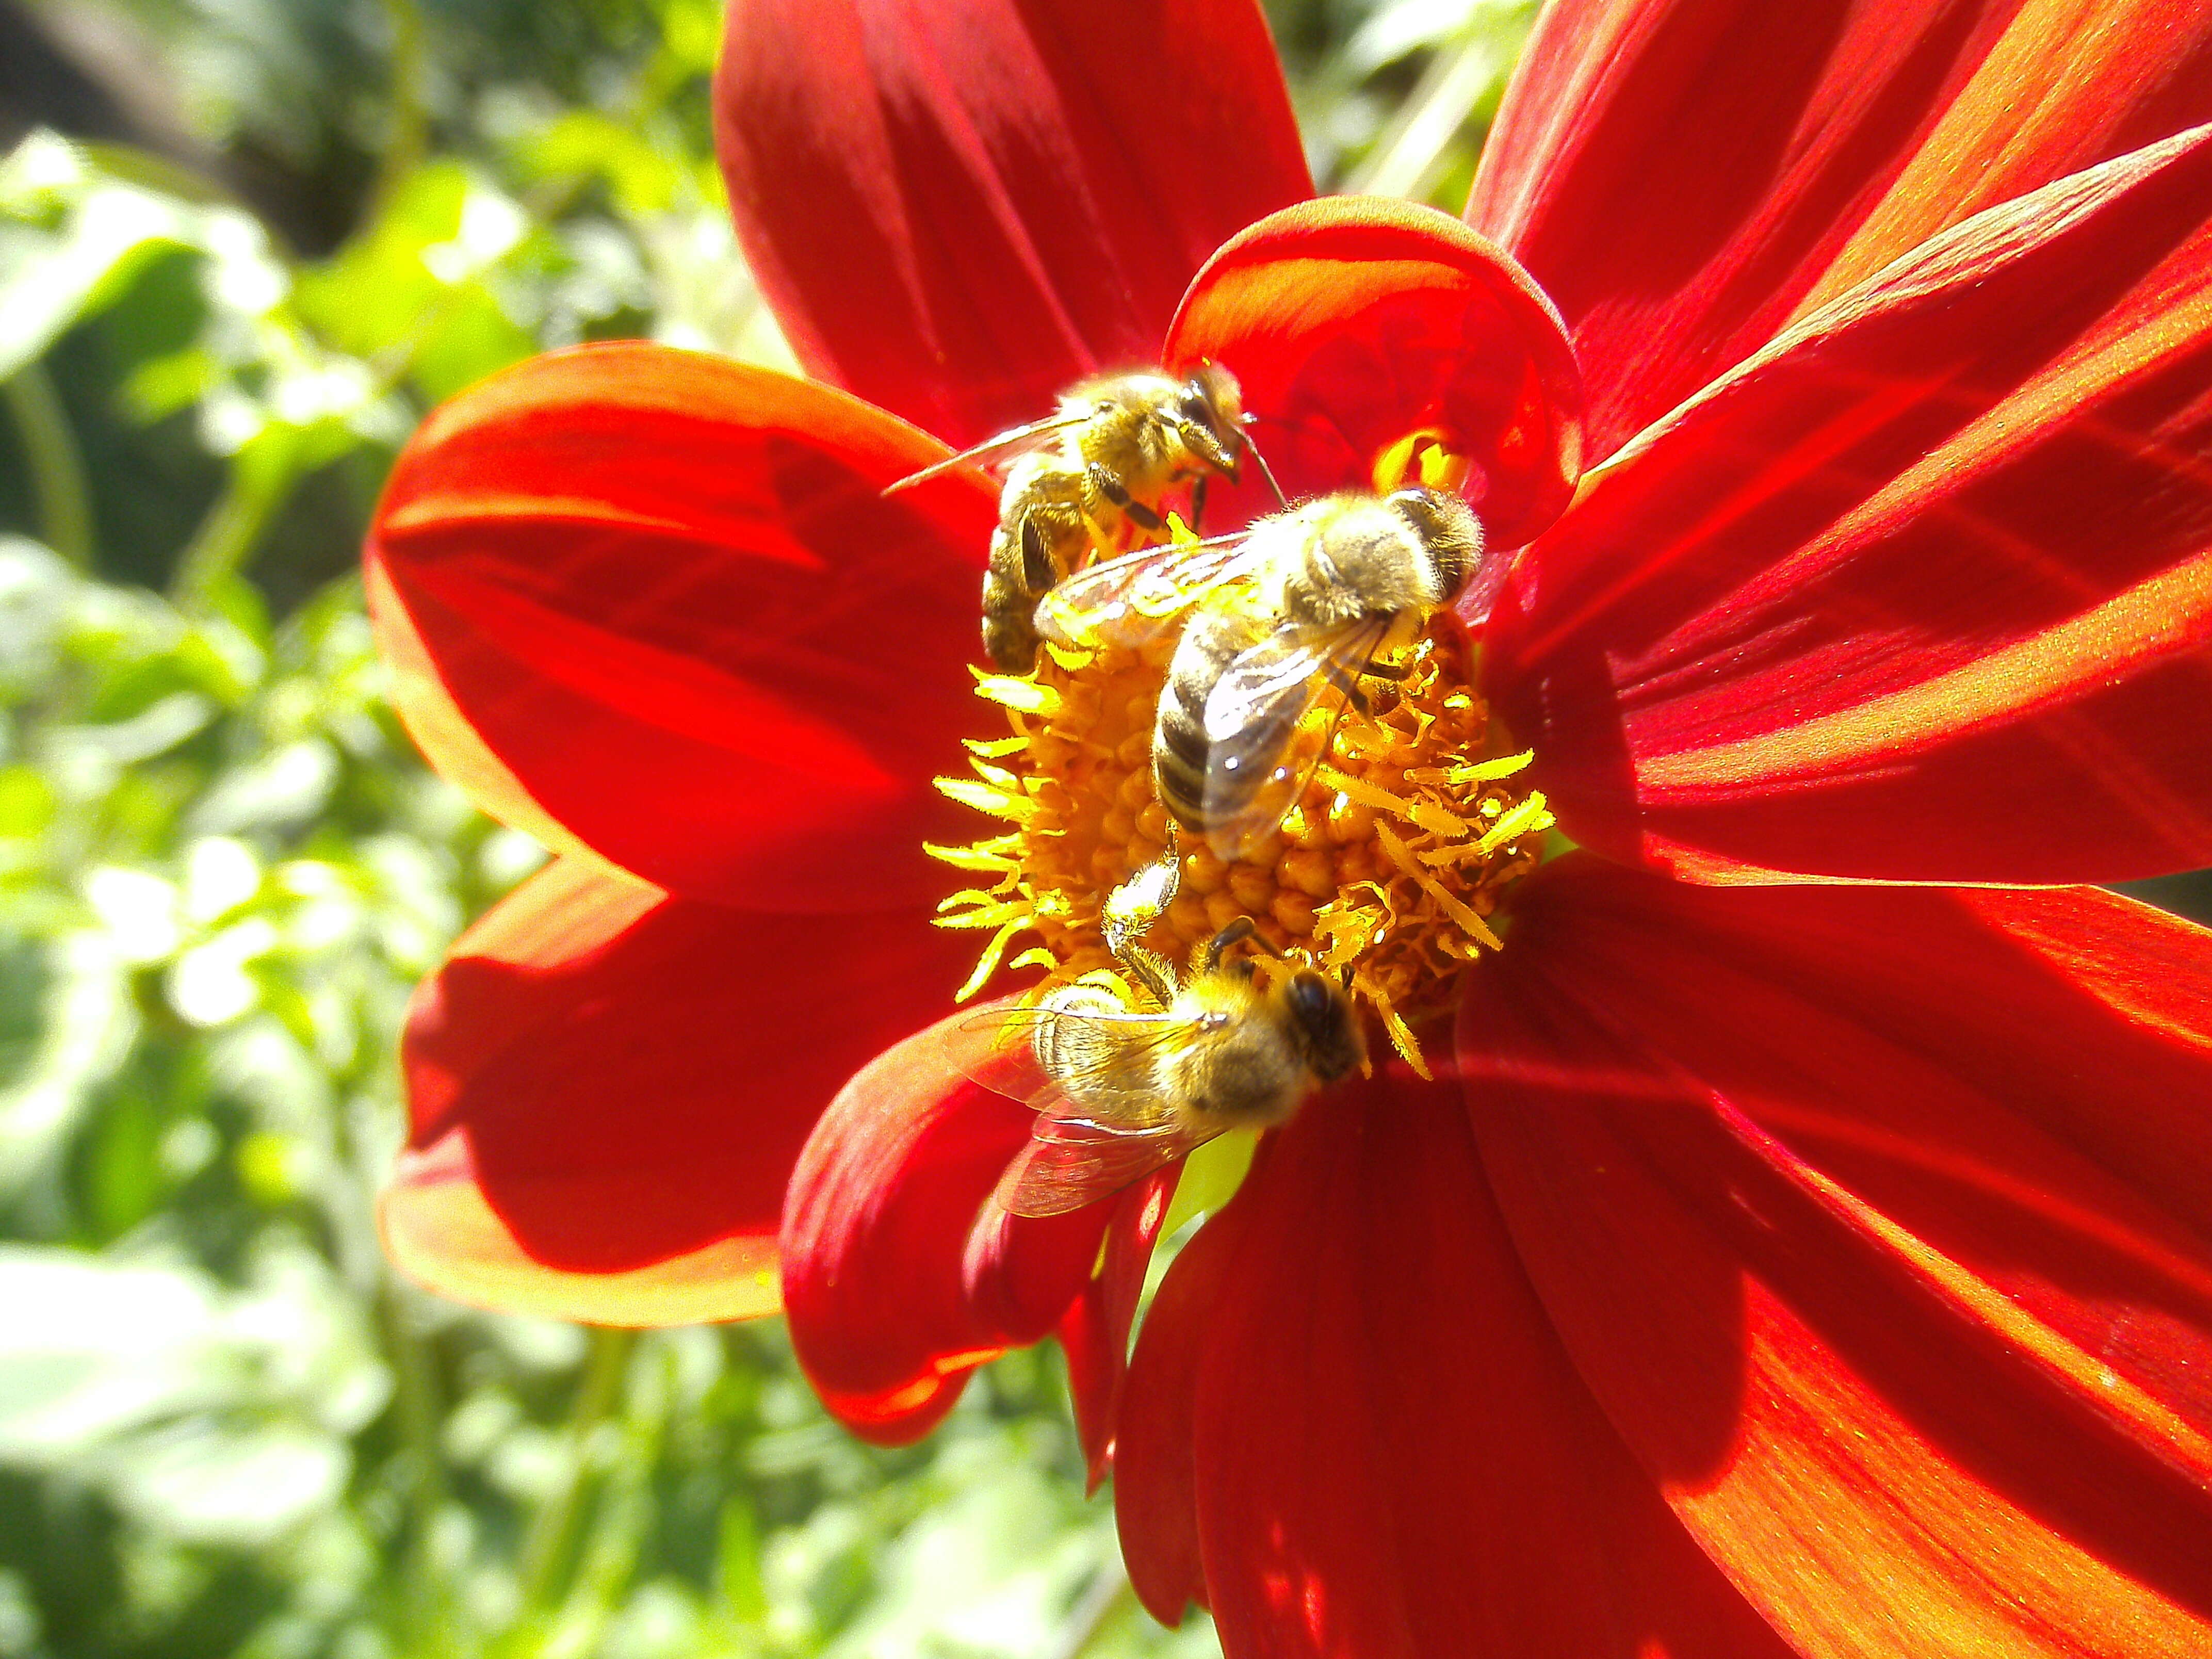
(224, 1426)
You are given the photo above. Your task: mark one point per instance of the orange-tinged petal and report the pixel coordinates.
(1156, 1433)
(1924, 592)
(1683, 175)
(1874, 1218)
(610, 1087)
(655, 603)
(1356, 322)
(440, 1230)
(2068, 84)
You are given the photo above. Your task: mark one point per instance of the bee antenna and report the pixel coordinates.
(1265, 471)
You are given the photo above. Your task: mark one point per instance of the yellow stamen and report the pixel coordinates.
(1031, 696)
(1530, 815)
(989, 964)
(1484, 771)
(984, 798)
(1470, 923)
(1401, 1039)
(1390, 864)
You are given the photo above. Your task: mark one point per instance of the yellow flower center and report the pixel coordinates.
(1408, 830)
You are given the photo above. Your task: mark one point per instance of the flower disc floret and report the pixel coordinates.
(1411, 824)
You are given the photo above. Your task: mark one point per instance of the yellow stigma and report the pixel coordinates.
(1391, 863)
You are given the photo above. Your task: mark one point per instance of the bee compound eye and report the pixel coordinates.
(1307, 995)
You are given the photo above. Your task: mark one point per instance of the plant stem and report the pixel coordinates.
(1107, 1594)
(417, 1397)
(56, 467)
(409, 140)
(546, 1550)
(232, 528)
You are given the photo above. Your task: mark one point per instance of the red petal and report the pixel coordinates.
(1388, 1451)
(1873, 1217)
(899, 1276)
(959, 208)
(1095, 1331)
(1355, 321)
(1922, 593)
(442, 1232)
(1156, 1436)
(1683, 175)
(611, 1082)
(658, 600)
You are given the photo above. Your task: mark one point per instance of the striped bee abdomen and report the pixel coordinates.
(1181, 750)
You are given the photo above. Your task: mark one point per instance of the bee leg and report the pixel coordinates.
(1131, 911)
(1132, 509)
(1198, 502)
(1348, 685)
(1241, 931)
(1152, 971)
(1038, 571)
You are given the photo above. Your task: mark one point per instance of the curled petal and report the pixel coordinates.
(1872, 1218)
(1156, 1433)
(1355, 322)
(658, 600)
(1922, 593)
(610, 1087)
(958, 209)
(1348, 1407)
(1095, 1330)
(1684, 177)
(900, 1275)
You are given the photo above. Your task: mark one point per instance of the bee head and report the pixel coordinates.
(1447, 528)
(1321, 1016)
(1213, 408)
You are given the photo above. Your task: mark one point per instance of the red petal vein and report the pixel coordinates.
(1924, 593)
(959, 209)
(1683, 176)
(1846, 1205)
(659, 599)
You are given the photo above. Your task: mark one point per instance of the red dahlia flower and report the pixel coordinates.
(1803, 1255)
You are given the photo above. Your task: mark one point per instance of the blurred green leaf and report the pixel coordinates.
(69, 242)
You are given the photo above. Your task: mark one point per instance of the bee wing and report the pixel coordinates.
(1010, 1067)
(1073, 1162)
(1080, 1151)
(1133, 599)
(1005, 443)
(1251, 720)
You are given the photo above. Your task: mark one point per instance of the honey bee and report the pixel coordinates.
(1127, 1090)
(1093, 473)
(1294, 609)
